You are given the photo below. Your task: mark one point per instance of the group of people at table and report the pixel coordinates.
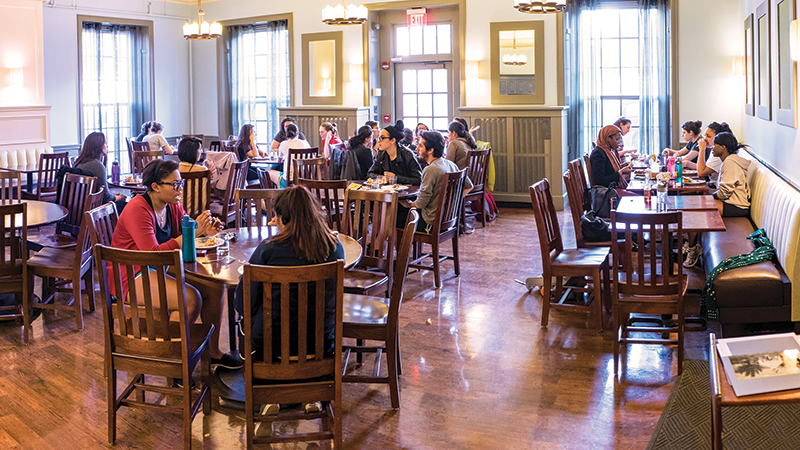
(151, 221)
(712, 153)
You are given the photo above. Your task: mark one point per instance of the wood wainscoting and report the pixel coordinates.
(347, 120)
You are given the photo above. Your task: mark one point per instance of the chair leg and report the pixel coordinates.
(187, 413)
(27, 299)
(77, 303)
(231, 320)
(205, 376)
(681, 330)
(89, 280)
(112, 402)
(483, 210)
(607, 287)
(391, 361)
(617, 322)
(545, 291)
(399, 359)
(437, 278)
(597, 282)
(457, 267)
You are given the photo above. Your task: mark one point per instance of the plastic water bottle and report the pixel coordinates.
(671, 165)
(188, 225)
(662, 197)
(115, 172)
(678, 173)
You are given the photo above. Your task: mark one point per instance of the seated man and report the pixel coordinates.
(431, 149)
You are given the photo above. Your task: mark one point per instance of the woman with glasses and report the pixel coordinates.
(152, 222)
(394, 159)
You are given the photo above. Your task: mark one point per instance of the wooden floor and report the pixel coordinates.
(483, 375)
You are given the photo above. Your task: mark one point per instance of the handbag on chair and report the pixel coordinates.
(601, 199)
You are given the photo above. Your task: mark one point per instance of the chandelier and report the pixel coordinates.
(540, 6)
(203, 30)
(515, 59)
(344, 14)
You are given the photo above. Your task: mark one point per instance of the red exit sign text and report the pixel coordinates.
(416, 17)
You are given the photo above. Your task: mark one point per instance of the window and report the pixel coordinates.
(259, 72)
(114, 83)
(423, 40)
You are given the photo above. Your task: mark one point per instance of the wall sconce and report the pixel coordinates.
(738, 66)
(473, 69)
(794, 44)
(326, 84)
(376, 92)
(355, 72)
(14, 77)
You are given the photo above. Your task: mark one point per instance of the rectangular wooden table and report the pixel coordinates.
(637, 185)
(696, 220)
(674, 202)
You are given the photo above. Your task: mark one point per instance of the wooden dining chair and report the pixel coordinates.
(444, 227)
(309, 372)
(648, 278)
(196, 192)
(590, 264)
(225, 209)
(47, 183)
(214, 146)
(297, 153)
(587, 161)
(228, 146)
(141, 158)
(330, 194)
(71, 266)
(264, 180)
(255, 207)
(10, 186)
(368, 318)
(478, 172)
(101, 222)
(139, 146)
(370, 218)
(13, 258)
(576, 168)
(142, 339)
(75, 190)
(310, 169)
(576, 209)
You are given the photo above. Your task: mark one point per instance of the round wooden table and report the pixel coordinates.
(42, 213)
(227, 270)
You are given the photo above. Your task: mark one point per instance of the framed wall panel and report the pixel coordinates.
(785, 81)
(749, 61)
(763, 87)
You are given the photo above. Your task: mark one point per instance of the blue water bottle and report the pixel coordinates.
(188, 225)
(678, 172)
(115, 172)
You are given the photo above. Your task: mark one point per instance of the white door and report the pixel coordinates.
(423, 94)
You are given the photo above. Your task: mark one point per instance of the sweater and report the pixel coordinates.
(98, 170)
(732, 185)
(406, 166)
(457, 152)
(431, 187)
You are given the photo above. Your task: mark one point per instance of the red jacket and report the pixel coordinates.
(136, 229)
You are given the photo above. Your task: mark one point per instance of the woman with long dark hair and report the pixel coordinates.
(709, 165)
(460, 143)
(691, 134)
(394, 159)
(359, 145)
(246, 148)
(281, 135)
(90, 160)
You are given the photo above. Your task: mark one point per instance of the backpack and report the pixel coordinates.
(490, 206)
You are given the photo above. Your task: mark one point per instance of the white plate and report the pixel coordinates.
(202, 243)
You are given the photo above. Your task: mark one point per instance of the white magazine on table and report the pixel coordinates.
(759, 364)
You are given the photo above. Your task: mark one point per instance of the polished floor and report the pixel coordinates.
(483, 375)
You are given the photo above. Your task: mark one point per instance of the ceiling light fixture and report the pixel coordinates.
(540, 7)
(344, 14)
(202, 30)
(515, 59)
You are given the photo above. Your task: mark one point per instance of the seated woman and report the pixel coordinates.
(690, 132)
(281, 136)
(246, 148)
(605, 166)
(328, 135)
(710, 166)
(293, 140)
(394, 159)
(460, 142)
(152, 222)
(90, 160)
(303, 239)
(362, 153)
(145, 131)
(189, 154)
(156, 140)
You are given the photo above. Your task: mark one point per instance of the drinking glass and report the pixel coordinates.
(224, 248)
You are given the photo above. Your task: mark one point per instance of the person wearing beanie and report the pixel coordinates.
(395, 159)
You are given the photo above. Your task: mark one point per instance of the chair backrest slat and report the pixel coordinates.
(478, 168)
(297, 153)
(141, 158)
(49, 163)
(330, 194)
(10, 186)
(255, 207)
(196, 192)
(75, 189)
(13, 238)
(370, 219)
(451, 194)
(544, 213)
(309, 168)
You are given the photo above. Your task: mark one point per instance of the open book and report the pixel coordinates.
(759, 364)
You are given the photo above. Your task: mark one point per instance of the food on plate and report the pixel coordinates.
(210, 242)
(639, 172)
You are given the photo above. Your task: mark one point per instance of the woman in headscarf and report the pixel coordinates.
(605, 166)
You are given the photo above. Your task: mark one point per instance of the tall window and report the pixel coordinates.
(259, 71)
(115, 83)
(618, 64)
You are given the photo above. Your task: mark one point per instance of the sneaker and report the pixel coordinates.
(228, 361)
(693, 255)
(270, 409)
(312, 407)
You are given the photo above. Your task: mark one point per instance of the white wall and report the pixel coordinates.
(710, 34)
(21, 53)
(171, 52)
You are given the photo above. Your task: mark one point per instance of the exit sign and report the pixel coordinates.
(416, 17)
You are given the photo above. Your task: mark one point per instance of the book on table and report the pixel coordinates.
(760, 364)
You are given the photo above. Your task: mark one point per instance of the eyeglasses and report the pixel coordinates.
(177, 184)
(384, 137)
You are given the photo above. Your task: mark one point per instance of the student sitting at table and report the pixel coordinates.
(303, 239)
(711, 165)
(362, 153)
(605, 165)
(460, 142)
(281, 136)
(152, 222)
(690, 132)
(624, 125)
(246, 147)
(90, 160)
(430, 148)
(156, 140)
(394, 159)
(328, 135)
(145, 131)
(733, 192)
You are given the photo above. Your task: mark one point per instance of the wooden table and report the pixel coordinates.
(674, 202)
(637, 185)
(136, 187)
(696, 220)
(226, 271)
(722, 395)
(43, 213)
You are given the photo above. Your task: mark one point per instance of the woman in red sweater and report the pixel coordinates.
(152, 222)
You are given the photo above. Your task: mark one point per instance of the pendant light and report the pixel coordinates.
(515, 59)
(344, 14)
(202, 30)
(540, 6)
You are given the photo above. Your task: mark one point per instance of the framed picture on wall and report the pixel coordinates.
(763, 87)
(786, 68)
(748, 60)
